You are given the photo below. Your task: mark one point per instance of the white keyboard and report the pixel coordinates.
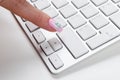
(88, 27)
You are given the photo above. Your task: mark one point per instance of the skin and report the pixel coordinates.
(23, 9)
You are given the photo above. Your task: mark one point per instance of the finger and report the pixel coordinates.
(24, 9)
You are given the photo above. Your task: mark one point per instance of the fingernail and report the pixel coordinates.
(54, 24)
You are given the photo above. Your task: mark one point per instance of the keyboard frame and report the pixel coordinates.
(70, 61)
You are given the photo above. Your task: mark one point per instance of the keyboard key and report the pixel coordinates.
(72, 42)
(86, 32)
(115, 18)
(32, 27)
(55, 44)
(61, 21)
(76, 21)
(108, 9)
(89, 11)
(42, 4)
(116, 1)
(80, 3)
(59, 3)
(99, 21)
(99, 2)
(107, 33)
(56, 61)
(51, 12)
(47, 48)
(67, 11)
(39, 37)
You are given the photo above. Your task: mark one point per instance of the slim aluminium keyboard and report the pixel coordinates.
(88, 27)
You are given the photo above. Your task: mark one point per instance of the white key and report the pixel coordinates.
(76, 21)
(32, 27)
(55, 44)
(42, 4)
(39, 37)
(89, 11)
(86, 32)
(47, 48)
(56, 61)
(99, 2)
(115, 18)
(116, 1)
(59, 3)
(107, 33)
(79, 3)
(108, 9)
(51, 12)
(72, 42)
(99, 21)
(67, 11)
(61, 21)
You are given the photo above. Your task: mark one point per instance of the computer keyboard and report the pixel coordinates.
(88, 27)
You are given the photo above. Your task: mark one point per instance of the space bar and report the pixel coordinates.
(72, 42)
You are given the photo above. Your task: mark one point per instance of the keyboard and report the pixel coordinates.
(89, 26)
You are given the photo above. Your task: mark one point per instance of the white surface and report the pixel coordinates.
(19, 60)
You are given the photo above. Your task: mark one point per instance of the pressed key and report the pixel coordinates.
(39, 37)
(115, 18)
(89, 11)
(76, 21)
(86, 32)
(106, 34)
(51, 12)
(116, 1)
(108, 9)
(72, 42)
(56, 61)
(60, 20)
(55, 44)
(67, 11)
(47, 48)
(42, 4)
(99, 21)
(79, 3)
(99, 2)
(59, 3)
(32, 27)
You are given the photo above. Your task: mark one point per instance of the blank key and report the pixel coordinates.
(108, 9)
(59, 3)
(79, 3)
(115, 18)
(99, 2)
(73, 42)
(86, 32)
(76, 21)
(32, 27)
(42, 4)
(67, 11)
(39, 37)
(51, 12)
(89, 11)
(99, 21)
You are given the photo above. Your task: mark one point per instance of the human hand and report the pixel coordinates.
(23, 9)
